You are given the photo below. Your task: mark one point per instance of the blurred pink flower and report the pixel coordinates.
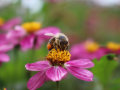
(55, 70)
(30, 35)
(88, 49)
(113, 48)
(10, 24)
(4, 47)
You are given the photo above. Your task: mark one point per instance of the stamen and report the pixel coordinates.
(57, 57)
(31, 26)
(113, 46)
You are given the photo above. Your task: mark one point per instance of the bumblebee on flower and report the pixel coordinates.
(58, 64)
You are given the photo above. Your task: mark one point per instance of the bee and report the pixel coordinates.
(58, 41)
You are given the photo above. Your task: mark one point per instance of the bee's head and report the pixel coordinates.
(62, 41)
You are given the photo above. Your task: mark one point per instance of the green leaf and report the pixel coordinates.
(104, 68)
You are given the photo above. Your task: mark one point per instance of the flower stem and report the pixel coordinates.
(32, 55)
(0, 63)
(16, 55)
(57, 83)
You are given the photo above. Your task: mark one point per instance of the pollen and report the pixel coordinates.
(57, 57)
(31, 27)
(1, 21)
(91, 47)
(113, 46)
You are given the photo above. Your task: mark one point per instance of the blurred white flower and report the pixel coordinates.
(4, 3)
(107, 2)
(33, 5)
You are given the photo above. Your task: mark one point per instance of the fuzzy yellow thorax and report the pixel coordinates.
(113, 46)
(1, 21)
(31, 27)
(91, 46)
(57, 57)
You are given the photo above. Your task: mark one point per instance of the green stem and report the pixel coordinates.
(32, 55)
(16, 54)
(15, 61)
(57, 83)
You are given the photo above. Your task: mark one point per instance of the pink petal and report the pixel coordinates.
(39, 42)
(43, 31)
(56, 73)
(81, 63)
(15, 35)
(77, 50)
(5, 48)
(27, 42)
(3, 39)
(11, 23)
(4, 57)
(80, 73)
(18, 32)
(36, 81)
(38, 66)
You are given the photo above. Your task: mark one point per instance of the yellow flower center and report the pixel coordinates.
(4, 88)
(113, 46)
(1, 21)
(31, 27)
(91, 46)
(57, 57)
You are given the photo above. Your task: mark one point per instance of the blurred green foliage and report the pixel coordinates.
(104, 69)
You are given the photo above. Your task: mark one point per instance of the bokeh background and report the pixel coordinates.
(79, 20)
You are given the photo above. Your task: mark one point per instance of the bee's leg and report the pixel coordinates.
(66, 48)
(50, 49)
(62, 48)
(55, 46)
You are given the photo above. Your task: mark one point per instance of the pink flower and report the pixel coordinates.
(56, 67)
(10, 23)
(113, 48)
(88, 49)
(30, 35)
(7, 28)
(4, 47)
